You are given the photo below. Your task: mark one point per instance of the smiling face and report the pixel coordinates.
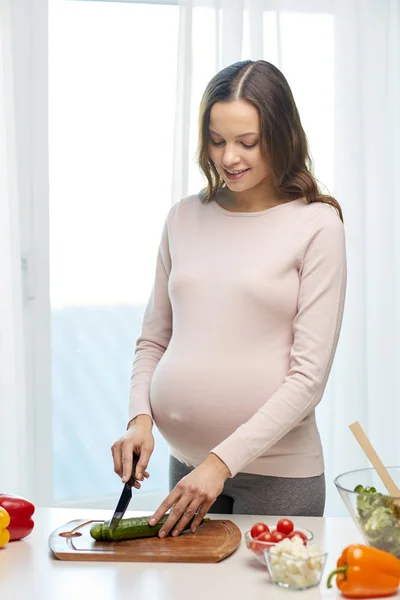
(234, 145)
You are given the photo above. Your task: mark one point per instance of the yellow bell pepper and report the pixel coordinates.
(4, 523)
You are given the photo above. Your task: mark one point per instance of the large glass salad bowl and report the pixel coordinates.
(376, 514)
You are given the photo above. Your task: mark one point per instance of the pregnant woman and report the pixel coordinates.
(243, 321)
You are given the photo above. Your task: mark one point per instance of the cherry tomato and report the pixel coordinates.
(265, 537)
(258, 529)
(285, 526)
(278, 536)
(256, 548)
(299, 534)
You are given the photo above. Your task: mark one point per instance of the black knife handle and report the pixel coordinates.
(132, 479)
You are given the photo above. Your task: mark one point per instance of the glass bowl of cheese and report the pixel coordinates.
(295, 566)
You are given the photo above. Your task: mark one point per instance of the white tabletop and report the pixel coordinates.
(28, 569)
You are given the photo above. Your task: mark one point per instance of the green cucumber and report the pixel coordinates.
(130, 529)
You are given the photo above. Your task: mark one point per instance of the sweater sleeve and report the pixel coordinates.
(316, 328)
(156, 331)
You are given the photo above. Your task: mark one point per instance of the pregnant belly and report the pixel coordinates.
(195, 407)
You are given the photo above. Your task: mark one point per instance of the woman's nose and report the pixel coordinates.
(230, 157)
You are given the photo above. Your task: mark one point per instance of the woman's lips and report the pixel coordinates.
(235, 176)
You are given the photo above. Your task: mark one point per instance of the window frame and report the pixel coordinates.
(313, 6)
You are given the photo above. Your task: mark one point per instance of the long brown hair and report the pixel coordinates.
(283, 138)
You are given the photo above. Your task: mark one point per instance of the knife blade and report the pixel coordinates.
(125, 497)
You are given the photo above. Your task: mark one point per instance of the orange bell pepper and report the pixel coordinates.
(4, 523)
(366, 572)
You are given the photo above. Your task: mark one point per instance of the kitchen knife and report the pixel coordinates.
(125, 497)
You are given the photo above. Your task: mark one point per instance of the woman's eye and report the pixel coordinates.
(214, 143)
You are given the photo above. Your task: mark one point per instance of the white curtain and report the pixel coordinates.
(13, 396)
(25, 465)
(366, 383)
(342, 59)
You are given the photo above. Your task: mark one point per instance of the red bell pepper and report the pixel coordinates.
(20, 511)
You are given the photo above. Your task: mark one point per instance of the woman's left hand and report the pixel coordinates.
(197, 490)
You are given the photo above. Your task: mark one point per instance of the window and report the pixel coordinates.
(112, 98)
(112, 78)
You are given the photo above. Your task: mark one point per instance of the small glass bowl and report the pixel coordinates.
(295, 573)
(258, 548)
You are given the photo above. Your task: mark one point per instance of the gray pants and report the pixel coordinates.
(247, 494)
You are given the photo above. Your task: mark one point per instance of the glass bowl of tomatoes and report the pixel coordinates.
(261, 536)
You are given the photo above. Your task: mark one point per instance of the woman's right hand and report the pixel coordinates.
(139, 439)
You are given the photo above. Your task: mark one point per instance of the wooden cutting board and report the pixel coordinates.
(213, 541)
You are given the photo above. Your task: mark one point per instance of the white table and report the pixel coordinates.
(29, 571)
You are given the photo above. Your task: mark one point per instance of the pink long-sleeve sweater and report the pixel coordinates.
(240, 332)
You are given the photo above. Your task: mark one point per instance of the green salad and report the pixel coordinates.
(379, 519)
